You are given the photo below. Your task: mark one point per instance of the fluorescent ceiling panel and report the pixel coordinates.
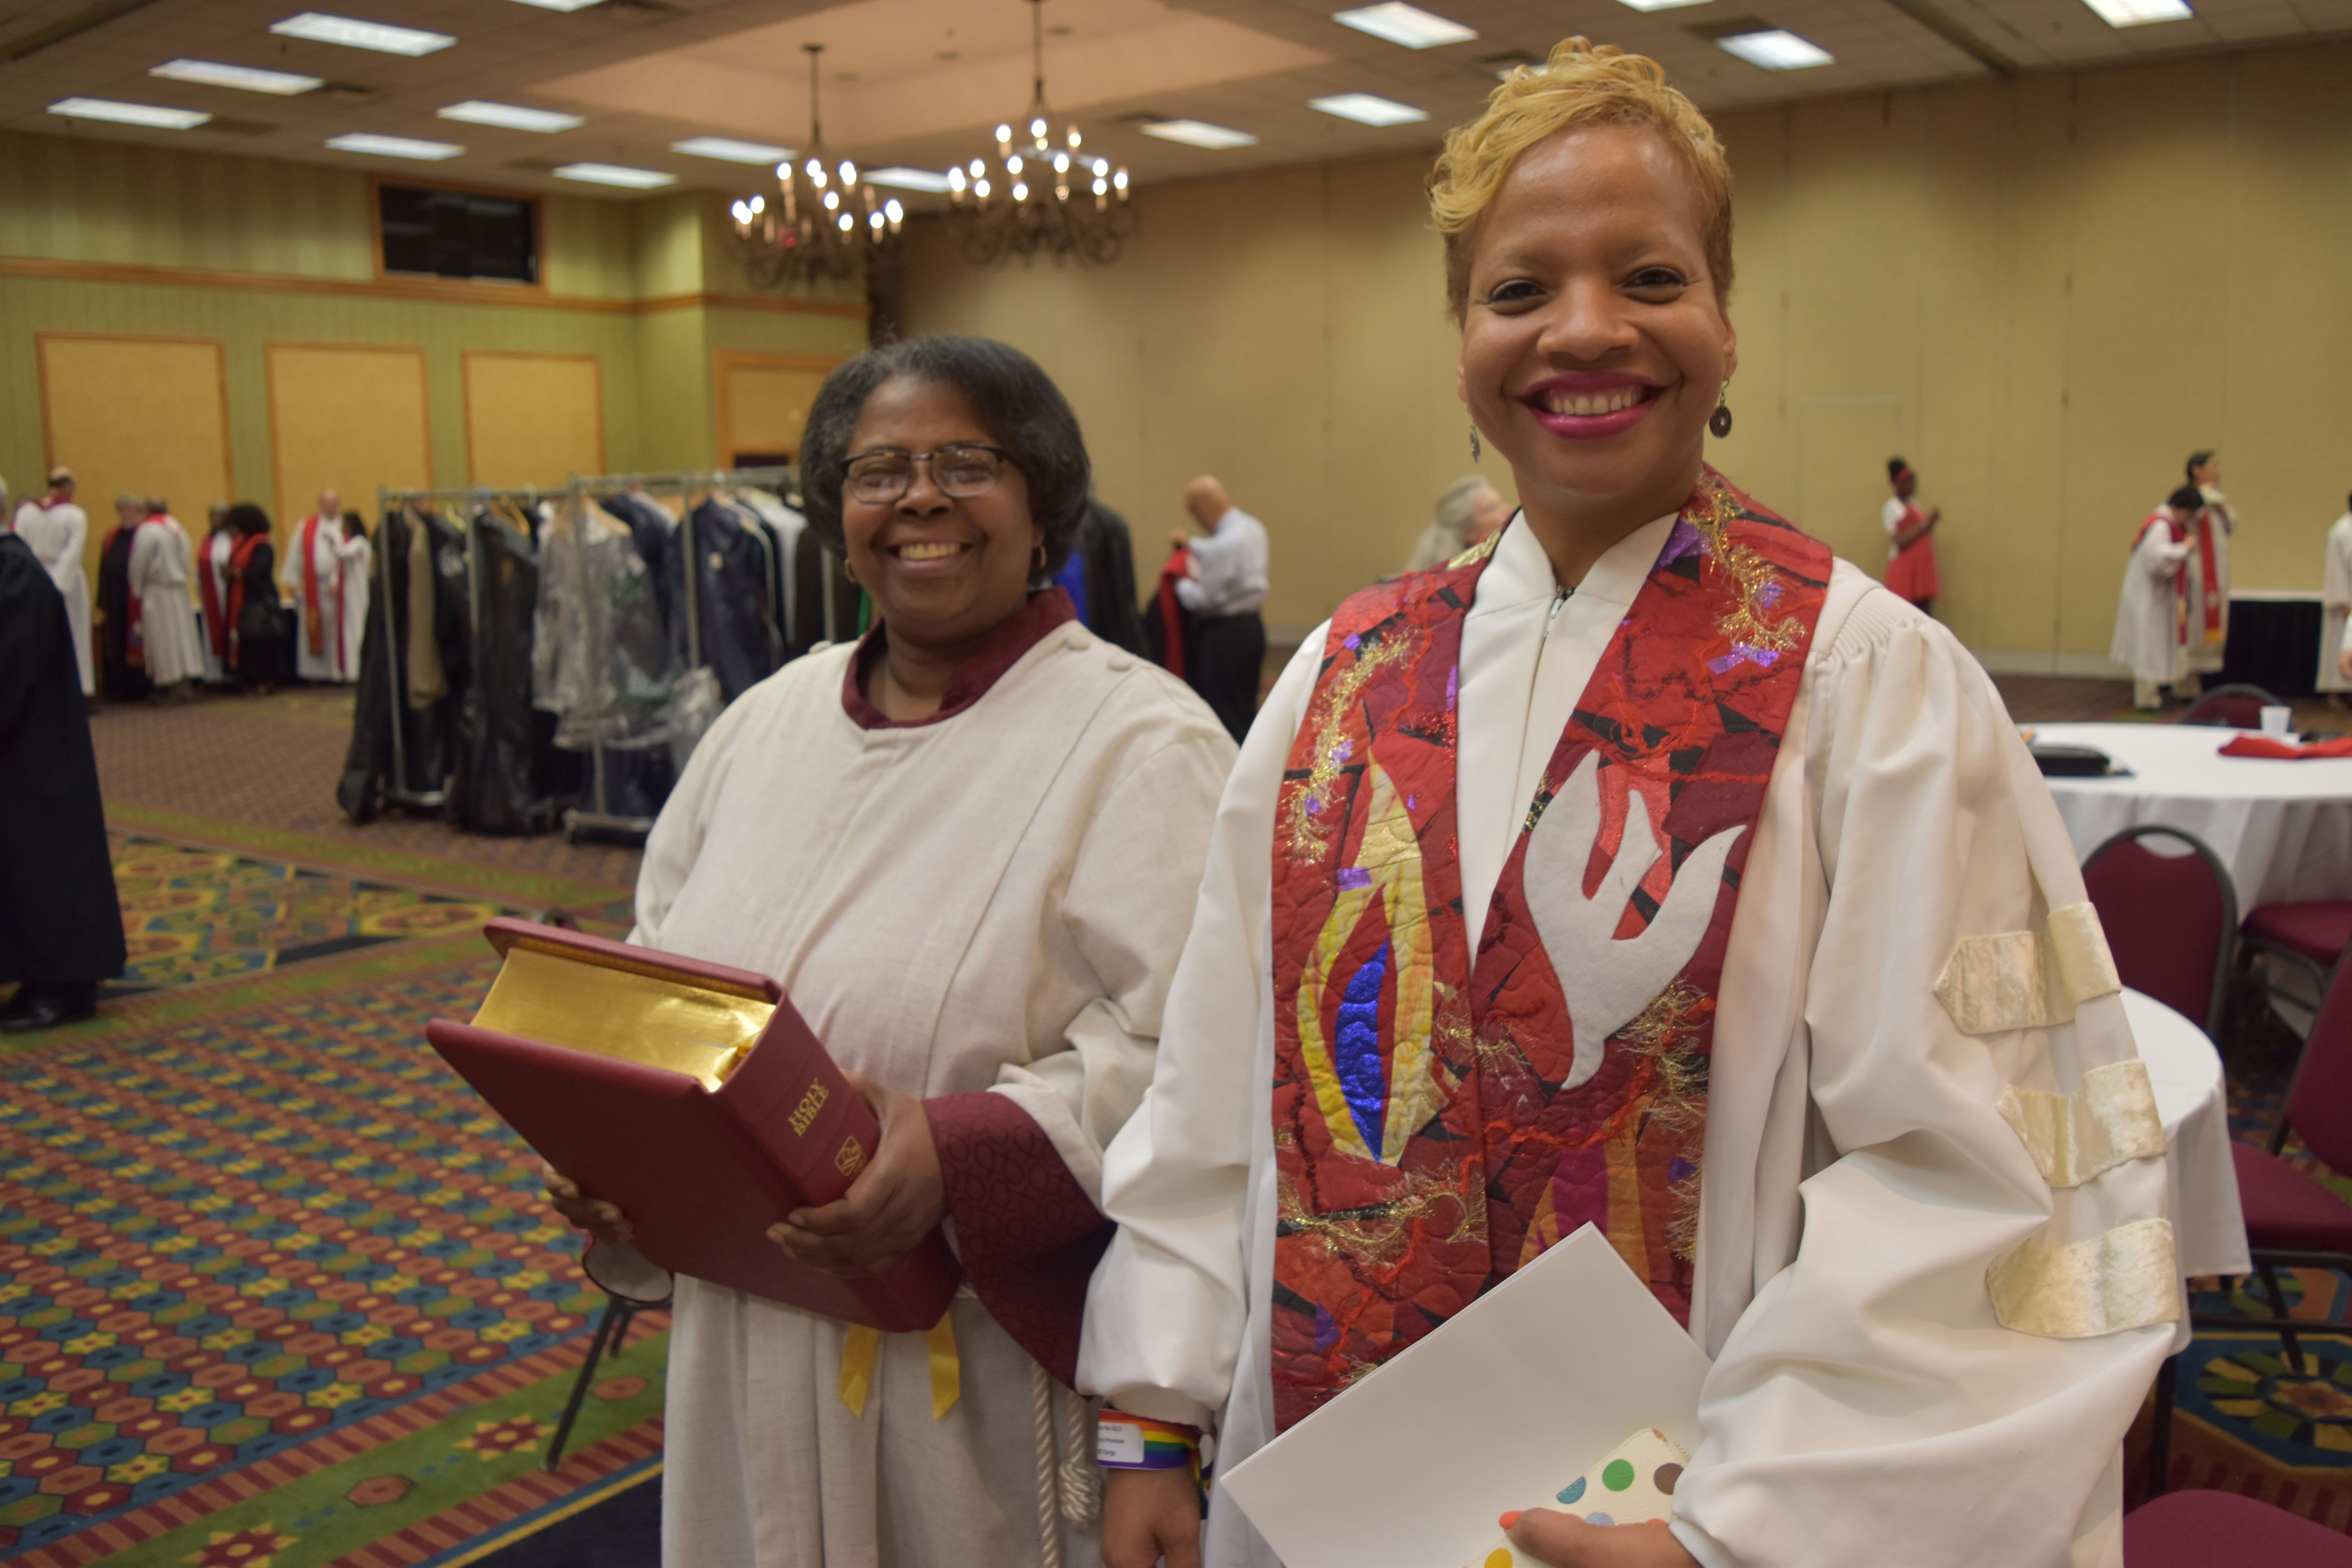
(616, 174)
(907, 179)
(2135, 13)
(1659, 5)
(560, 4)
(513, 116)
(153, 115)
(244, 79)
(1408, 25)
(1367, 108)
(728, 150)
(354, 33)
(1199, 133)
(1775, 49)
(393, 146)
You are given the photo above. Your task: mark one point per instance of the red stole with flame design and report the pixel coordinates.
(1437, 1120)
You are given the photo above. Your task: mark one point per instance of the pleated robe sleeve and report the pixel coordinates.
(1984, 1286)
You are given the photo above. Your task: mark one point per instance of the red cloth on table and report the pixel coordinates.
(2286, 751)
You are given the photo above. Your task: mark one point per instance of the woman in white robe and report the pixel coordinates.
(167, 626)
(358, 560)
(2336, 598)
(1875, 1397)
(968, 847)
(2150, 610)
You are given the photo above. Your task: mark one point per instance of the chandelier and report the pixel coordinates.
(1040, 196)
(824, 223)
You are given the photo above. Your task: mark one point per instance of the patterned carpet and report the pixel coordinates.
(276, 1290)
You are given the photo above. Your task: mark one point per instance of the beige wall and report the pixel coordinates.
(118, 241)
(2044, 292)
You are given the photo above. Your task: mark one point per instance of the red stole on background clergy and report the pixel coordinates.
(1438, 1122)
(208, 584)
(2210, 580)
(240, 555)
(2179, 579)
(134, 629)
(314, 625)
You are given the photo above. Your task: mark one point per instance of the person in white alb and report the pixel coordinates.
(1656, 872)
(356, 560)
(2207, 576)
(2336, 598)
(1225, 587)
(2152, 611)
(312, 573)
(160, 566)
(58, 530)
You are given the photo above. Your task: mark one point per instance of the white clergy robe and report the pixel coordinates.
(1867, 1406)
(991, 903)
(2221, 521)
(2336, 596)
(167, 623)
(358, 557)
(319, 537)
(58, 535)
(2147, 637)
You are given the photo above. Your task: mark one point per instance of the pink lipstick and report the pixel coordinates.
(1591, 405)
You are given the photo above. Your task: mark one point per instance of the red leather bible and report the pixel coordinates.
(695, 1098)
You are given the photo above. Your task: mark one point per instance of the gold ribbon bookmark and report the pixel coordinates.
(858, 1351)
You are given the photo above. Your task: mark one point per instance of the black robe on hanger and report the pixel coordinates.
(504, 765)
(425, 732)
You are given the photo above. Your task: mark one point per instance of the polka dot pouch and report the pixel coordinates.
(1634, 1485)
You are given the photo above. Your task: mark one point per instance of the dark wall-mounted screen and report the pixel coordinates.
(459, 233)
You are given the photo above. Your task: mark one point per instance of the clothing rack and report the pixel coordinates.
(603, 819)
(395, 677)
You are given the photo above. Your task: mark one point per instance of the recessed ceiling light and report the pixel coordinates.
(1408, 25)
(1659, 5)
(1775, 49)
(905, 179)
(513, 116)
(1367, 108)
(246, 78)
(2135, 13)
(728, 150)
(381, 36)
(149, 114)
(1197, 133)
(393, 146)
(616, 174)
(560, 4)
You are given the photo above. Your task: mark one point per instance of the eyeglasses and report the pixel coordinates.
(879, 477)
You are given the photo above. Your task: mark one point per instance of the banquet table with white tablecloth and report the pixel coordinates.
(2284, 829)
(2192, 1102)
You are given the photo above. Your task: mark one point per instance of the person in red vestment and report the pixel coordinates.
(1911, 554)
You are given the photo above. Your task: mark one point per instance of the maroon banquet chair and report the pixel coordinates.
(2236, 706)
(2171, 919)
(2291, 1219)
(2206, 1530)
(2311, 934)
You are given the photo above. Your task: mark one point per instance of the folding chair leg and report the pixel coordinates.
(2278, 1310)
(2159, 1447)
(614, 1315)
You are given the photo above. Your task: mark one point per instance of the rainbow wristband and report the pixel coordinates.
(1124, 1442)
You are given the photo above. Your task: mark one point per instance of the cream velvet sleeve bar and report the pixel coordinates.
(1942, 1373)
(1166, 1310)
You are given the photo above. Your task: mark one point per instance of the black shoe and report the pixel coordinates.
(47, 1006)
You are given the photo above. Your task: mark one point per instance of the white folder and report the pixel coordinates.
(1510, 1401)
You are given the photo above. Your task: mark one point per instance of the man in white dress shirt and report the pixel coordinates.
(58, 530)
(1224, 589)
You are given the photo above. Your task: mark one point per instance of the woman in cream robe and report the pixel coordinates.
(979, 908)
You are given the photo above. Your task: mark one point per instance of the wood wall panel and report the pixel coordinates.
(134, 415)
(764, 398)
(348, 417)
(533, 419)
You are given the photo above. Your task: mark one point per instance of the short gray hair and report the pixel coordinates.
(1459, 502)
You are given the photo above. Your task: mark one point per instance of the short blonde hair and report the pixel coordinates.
(1582, 84)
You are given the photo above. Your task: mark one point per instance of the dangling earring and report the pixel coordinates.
(1719, 422)
(848, 573)
(1475, 453)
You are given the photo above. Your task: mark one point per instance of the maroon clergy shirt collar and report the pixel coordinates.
(1026, 629)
